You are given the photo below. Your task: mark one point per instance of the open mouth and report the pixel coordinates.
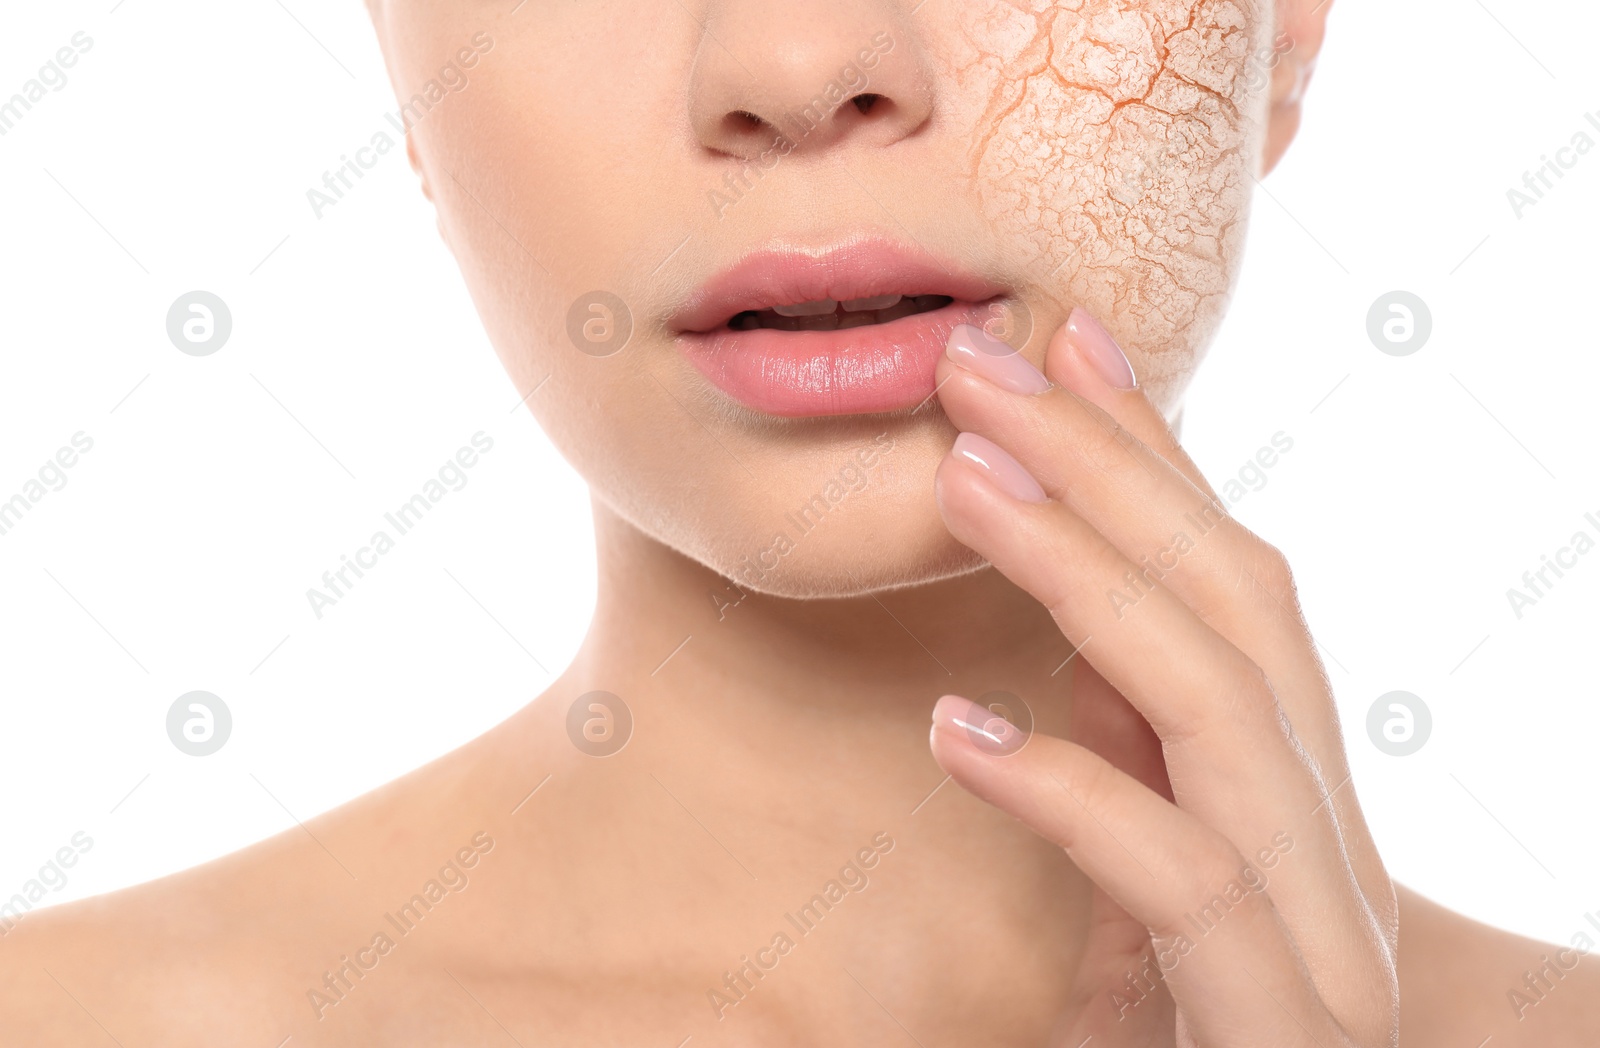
(861, 283)
(831, 315)
(856, 328)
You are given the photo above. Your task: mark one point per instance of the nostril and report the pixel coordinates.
(744, 120)
(864, 103)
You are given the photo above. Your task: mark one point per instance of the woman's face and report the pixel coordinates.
(702, 178)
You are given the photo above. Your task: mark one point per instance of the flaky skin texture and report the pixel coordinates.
(1119, 144)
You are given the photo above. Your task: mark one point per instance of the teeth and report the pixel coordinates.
(904, 308)
(826, 316)
(868, 305)
(807, 309)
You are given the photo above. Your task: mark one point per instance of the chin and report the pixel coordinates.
(855, 561)
(857, 518)
(839, 517)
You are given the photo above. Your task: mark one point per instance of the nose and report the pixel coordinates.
(819, 73)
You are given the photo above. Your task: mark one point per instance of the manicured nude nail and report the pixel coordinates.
(1095, 344)
(987, 730)
(973, 349)
(1003, 471)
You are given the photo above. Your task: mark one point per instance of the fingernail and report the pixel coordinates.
(986, 730)
(1003, 471)
(989, 358)
(1095, 344)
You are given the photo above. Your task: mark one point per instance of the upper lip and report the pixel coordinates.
(862, 268)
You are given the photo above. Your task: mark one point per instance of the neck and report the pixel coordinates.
(794, 734)
(671, 627)
(764, 690)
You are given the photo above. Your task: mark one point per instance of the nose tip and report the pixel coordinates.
(808, 77)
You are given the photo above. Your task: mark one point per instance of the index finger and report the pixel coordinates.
(1084, 358)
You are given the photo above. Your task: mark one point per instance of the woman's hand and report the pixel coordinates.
(1239, 899)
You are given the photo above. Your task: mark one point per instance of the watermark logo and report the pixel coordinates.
(1170, 950)
(1537, 582)
(599, 723)
(340, 981)
(1399, 323)
(849, 84)
(1010, 322)
(199, 723)
(852, 879)
(451, 79)
(1543, 179)
(1399, 723)
(51, 75)
(851, 478)
(1538, 983)
(52, 876)
(999, 723)
(599, 324)
(199, 323)
(450, 477)
(52, 476)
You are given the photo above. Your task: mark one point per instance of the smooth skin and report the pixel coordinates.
(618, 892)
(1243, 745)
(1205, 728)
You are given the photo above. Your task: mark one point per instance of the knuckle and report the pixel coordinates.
(1093, 784)
(1239, 697)
(1218, 888)
(1270, 569)
(1251, 696)
(1100, 442)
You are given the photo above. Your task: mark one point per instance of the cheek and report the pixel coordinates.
(1117, 145)
(548, 209)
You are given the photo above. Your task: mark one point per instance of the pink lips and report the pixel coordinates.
(854, 370)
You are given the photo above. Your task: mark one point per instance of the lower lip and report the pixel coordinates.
(856, 371)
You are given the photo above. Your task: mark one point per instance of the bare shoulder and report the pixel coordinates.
(281, 938)
(1463, 982)
(147, 963)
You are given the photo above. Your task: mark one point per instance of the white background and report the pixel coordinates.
(220, 488)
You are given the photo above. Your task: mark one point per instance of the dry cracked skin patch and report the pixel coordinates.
(1119, 142)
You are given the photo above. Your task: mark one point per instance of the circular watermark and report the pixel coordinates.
(999, 723)
(1399, 723)
(1399, 323)
(199, 323)
(1009, 321)
(198, 723)
(599, 324)
(599, 723)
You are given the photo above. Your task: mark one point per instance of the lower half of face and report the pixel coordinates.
(718, 244)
